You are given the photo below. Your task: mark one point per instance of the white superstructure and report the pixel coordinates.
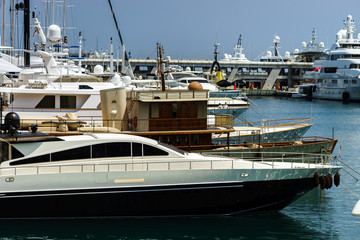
(338, 77)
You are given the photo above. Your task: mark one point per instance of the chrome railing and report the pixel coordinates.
(302, 161)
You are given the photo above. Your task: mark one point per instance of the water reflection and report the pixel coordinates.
(271, 225)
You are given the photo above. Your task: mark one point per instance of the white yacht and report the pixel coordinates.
(239, 56)
(311, 51)
(338, 77)
(102, 175)
(276, 57)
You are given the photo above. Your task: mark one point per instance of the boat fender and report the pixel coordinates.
(330, 180)
(337, 179)
(316, 179)
(327, 182)
(322, 182)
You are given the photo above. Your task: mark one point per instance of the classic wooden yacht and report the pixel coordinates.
(281, 150)
(267, 132)
(101, 175)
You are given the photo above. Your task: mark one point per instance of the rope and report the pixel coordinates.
(352, 192)
(348, 167)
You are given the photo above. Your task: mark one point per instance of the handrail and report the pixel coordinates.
(296, 162)
(279, 120)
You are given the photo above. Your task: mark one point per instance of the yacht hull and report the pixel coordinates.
(173, 200)
(338, 94)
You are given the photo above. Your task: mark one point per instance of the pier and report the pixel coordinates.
(260, 75)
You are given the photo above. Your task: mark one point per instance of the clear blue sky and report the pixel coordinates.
(189, 28)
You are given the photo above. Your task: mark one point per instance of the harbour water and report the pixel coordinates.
(317, 215)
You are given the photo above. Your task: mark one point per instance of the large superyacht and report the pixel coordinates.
(337, 77)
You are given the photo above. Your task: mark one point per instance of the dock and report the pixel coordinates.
(257, 74)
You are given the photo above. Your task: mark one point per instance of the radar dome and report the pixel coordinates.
(12, 119)
(321, 44)
(126, 80)
(341, 34)
(115, 79)
(303, 44)
(195, 86)
(54, 33)
(98, 69)
(187, 69)
(226, 56)
(268, 54)
(287, 54)
(296, 50)
(277, 39)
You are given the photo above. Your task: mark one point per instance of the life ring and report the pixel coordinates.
(135, 121)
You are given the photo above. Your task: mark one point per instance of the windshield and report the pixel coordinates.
(172, 148)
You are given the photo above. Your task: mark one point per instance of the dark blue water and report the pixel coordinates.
(317, 215)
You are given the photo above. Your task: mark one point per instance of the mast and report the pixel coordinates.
(161, 67)
(26, 32)
(111, 57)
(12, 25)
(276, 44)
(80, 49)
(125, 56)
(3, 25)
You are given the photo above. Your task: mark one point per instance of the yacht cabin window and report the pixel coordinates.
(354, 81)
(67, 101)
(346, 81)
(355, 65)
(198, 80)
(48, 101)
(103, 150)
(85, 87)
(6, 153)
(345, 56)
(330, 70)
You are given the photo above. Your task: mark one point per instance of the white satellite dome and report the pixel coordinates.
(296, 51)
(341, 34)
(54, 33)
(115, 79)
(126, 80)
(287, 54)
(277, 39)
(268, 54)
(226, 56)
(187, 69)
(303, 44)
(321, 44)
(98, 69)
